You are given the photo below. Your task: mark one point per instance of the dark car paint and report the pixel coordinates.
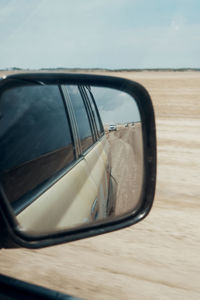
(14, 289)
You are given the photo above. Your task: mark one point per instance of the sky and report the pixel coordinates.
(115, 107)
(111, 34)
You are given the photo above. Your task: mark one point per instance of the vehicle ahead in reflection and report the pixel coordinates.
(112, 127)
(54, 152)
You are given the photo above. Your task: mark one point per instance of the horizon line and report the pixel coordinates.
(104, 69)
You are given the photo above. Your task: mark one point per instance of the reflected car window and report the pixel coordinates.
(81, 116)
(35, 138)
(94, 109)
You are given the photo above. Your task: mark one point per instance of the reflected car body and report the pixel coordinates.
(71, 183)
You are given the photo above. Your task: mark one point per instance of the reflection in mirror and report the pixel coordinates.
(70, 155)
(122, 125)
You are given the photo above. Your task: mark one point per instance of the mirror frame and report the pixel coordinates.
(11, 236)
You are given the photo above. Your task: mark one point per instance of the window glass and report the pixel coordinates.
(81, 117)
(35, 138)
(94, 109)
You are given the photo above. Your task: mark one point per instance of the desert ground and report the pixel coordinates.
(126, 150)
(159, 257)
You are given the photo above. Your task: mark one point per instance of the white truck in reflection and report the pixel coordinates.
(112, 127)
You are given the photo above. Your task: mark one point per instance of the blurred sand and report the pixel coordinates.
(126, 150)
(159, 257)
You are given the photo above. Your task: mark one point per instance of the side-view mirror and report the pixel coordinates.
(77, 157)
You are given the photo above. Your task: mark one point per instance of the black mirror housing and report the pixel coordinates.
(13, 234)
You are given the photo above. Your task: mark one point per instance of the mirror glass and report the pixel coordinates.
(70, 155)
